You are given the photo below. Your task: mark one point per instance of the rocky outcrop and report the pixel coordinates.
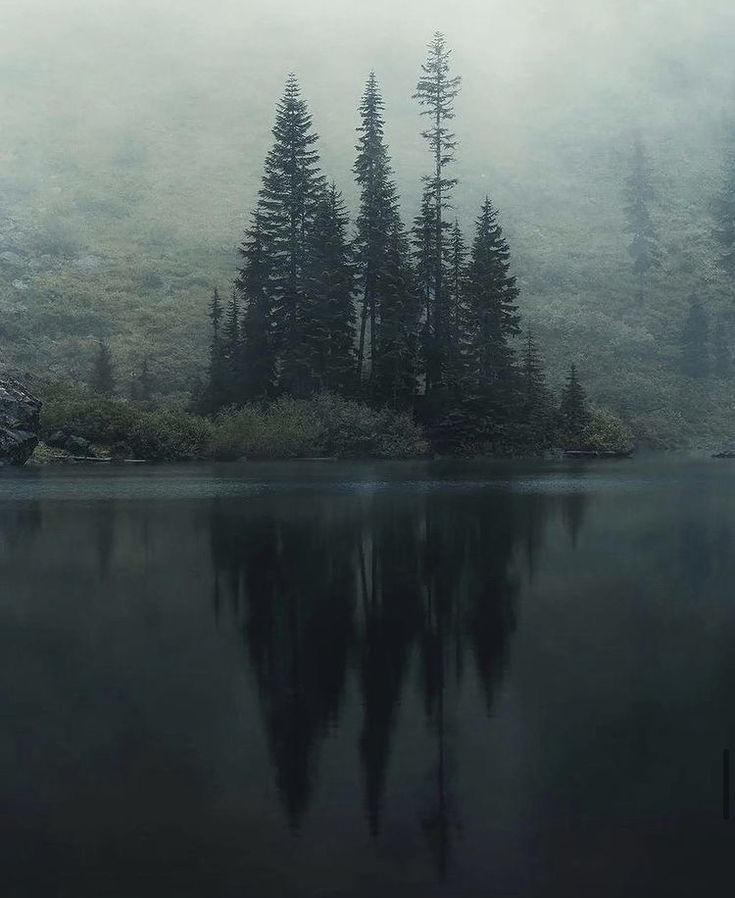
(19, 411)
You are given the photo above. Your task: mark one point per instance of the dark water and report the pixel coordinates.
(370, 680)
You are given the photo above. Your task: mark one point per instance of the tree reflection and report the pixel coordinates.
(380, 586)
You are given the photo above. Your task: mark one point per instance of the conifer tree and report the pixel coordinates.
(644, 248)
(436, 92)
(329, 325)
(694, 340)
(423, 238)
(395, 368)
(376, 217)
(232, 353)
(457, 319)
(102, 377)
(215, 390)
(574, 410)
(258, 343)
(292, 185)
(141, 387)
(724, 212)
(493, 320)
(535, 400)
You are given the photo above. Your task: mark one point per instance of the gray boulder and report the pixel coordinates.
(19, 411)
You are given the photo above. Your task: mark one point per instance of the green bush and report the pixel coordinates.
(605, 432)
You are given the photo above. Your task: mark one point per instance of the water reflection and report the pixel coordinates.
(391, 587)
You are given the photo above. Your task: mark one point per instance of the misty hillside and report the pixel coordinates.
(132, 142)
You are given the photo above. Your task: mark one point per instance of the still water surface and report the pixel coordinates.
(367, 679)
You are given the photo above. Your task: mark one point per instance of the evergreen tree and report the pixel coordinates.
(329, 325)
(141, 388)
(394, 373)
(292, 185)
(424, 255)
(232, 353)
(253, 283)
(721, 351)
(102, 377)
(436, 92)
(724, 212)
(214, 395)
(535, 400)
(694, 340)
(376, 217)
(493, 320)
(457, 317)
(644, 247)
(573, 411)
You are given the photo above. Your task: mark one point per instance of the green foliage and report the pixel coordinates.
(605, 432)
(324, 425)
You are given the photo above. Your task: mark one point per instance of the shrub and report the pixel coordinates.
(605, 432)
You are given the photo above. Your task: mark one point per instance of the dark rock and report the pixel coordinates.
(57, 440)
(19, 411)
(79, 446)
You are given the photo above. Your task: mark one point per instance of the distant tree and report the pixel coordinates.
(258, 339)
(213, 394)
(574, 414)
(535, 400)
(694, 340)
(329, 326)
(436, 91)
(102, 377)
(724, 214)
(721, 351)
(232, 354)
(493, 321)
(376, 218)
(292, 186)
(644, 247)
(141, 388)
(423, 239)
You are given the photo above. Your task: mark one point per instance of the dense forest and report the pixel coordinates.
(621, 233)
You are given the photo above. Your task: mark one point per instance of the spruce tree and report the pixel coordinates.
(214, 396)
(102, 377)
(394, 374)
(329, 325)
(232, 353)
(694, 340)
(292, 185)
(457, 320)
(436, 92)
(573, 411)
(644, 247)
(423, 238)
(258, 340)
(535, 400)
(493, 321)
(376, 217)
(141, 388)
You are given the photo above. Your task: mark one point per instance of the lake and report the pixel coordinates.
(367, 679)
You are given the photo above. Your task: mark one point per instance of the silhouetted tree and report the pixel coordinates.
(493, 321)
(574, 412)
(694, 340)
(436, 91)
(141, 386)
(329, 325)
(535, 406)
(232, 359)
(102, 376)
(644, 247)
(258, 339)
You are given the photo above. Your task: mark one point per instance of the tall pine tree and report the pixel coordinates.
(535, 399)
(436, 91)
(292, 186)
(214, 395)
(644, 248)
(259, 351)
(329, 313)
(376, 217)
(493, 321)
